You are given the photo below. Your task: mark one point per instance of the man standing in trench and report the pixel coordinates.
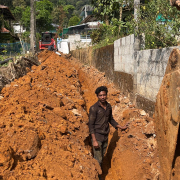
(100, 115)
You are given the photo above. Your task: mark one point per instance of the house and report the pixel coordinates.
(18, 29)
(5, 34)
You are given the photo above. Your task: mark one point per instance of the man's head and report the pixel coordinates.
(101, 93)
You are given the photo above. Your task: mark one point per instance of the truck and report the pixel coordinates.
(47, 42)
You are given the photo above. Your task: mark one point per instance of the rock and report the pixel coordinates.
(149, 128)
(60, 112)
(76, 113)
(63, 129)
(126, 100)
(142, 113)
(27, 142)
(6, 158)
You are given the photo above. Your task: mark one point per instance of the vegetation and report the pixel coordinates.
(74, 21)
(157, 20)
(160, 23)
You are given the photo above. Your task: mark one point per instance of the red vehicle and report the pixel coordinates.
(47, 42)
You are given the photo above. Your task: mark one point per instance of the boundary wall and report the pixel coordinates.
(137, 73)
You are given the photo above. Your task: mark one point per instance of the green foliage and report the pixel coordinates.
(26, 17)
(43, 16)
(159, 22)
(3, 53)
(17, 12)
(69, 10)
(106, 34)
(108, 9)
(73, 21)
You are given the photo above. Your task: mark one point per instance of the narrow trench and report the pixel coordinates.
(176, 160)
(106, 165)
(109, 153)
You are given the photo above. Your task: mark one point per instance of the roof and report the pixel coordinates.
(4, 30)
(6, 13)
(90, 18)
(81, 25)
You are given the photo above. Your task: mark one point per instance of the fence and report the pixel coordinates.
(13, 48)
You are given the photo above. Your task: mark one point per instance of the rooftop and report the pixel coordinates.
(5, 11)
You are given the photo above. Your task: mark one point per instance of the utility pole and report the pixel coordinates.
(137, 43)
(32, 26)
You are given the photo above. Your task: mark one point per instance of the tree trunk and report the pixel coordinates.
(32, 27)
(120, 18)
(137, 43)
(106, 20)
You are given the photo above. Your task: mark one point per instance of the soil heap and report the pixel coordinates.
(44, 127)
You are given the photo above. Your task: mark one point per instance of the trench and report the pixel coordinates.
(85, 86)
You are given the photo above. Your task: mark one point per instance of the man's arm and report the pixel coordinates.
(92, 118)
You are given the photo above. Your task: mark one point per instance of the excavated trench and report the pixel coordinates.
(44, 132)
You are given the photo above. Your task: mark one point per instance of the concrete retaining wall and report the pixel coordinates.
(137, 73)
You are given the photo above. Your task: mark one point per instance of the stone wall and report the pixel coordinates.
(137, 73)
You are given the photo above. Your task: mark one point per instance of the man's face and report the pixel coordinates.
(102, 96)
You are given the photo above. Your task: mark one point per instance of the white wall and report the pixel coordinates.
(147, 66)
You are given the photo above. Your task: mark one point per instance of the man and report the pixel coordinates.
(100, 115)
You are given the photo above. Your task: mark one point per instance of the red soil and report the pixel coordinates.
(44, 132)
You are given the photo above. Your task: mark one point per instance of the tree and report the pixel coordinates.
(58, 15)
(43, 16)
(69, 10)
(73, 21)
(108, 9)
(26, 17)
(32, 26)
(159, 22)
(19, 7)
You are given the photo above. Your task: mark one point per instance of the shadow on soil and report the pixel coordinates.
(107, 158)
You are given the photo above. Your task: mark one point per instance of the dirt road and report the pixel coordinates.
(44, 132)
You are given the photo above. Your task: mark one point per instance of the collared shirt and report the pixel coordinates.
(99, 120)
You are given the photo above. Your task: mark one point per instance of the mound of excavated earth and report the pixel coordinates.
(44, 127)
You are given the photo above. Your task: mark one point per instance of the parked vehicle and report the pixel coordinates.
(47, 42)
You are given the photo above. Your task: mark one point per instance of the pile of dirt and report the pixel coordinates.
(44, 132)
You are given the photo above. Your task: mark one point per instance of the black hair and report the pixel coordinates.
(101, 88)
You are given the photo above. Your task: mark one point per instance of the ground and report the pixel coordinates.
(44, 127)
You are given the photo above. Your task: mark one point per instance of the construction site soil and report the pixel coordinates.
(44, 127)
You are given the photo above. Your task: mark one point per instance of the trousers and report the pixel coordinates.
(99, 152)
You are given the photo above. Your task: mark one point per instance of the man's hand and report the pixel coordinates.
(95, 144)
(94, 141)
(123, 127)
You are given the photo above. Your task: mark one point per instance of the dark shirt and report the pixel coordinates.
(99, 120)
